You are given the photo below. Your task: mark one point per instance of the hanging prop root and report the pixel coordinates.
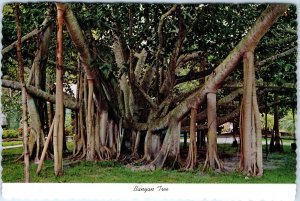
(191, 161)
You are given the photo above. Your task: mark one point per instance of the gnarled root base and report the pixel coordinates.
(103, 153)
(169, 152)
(252, 171)
(191, 161)
(218, 163)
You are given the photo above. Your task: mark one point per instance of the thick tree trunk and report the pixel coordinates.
(137, 144)
(80, 137)
(102, 149)
(37, 107)
(212, 159)
(24, 94)
(169, 154)
(250, 133)
(90, 123)
(258, 154)
(155, 145)
(36, 137)
(147, 146)
(59, 118)
(191, 161)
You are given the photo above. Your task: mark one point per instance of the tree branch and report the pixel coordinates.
(159, 30)
(160, 81)
(147, 79)
(281, 41)
(277, 56)
(146, 96)
(265, 85)
(184, 58)
(141, 61)
(193, 76)
(68, 102)
(289, 30)
(27, 36)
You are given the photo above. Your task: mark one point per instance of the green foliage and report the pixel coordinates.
(11, 143)
(287, 123)
(270, 121)
(10, 133)
(211, 28)
(69, 122)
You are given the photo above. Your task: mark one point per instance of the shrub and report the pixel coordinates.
(10, 133)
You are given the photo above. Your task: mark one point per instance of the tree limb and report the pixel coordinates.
(160, 25)
(184, 58)
(193, 76)
(146, 96)
(68, 102)
(281, 41)
(266, 85)
(27, 36)
(160, 81)
(277, 56)
(141, 61)
(289, 30)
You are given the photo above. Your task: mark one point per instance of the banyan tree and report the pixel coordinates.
(144, 74)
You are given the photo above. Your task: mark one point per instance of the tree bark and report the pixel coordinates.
(212, 159)
(191, 161)
(169, 154)
(250, 133)
(40, 165)
(155, 145)
(36, 107)
(24, 94)
(137, 144)
(59, 118)
(90, 122)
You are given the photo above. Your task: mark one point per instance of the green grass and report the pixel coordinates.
(279, 168)
(11, 143)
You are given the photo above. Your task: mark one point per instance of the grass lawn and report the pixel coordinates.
(278, 168)
(12, 143)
